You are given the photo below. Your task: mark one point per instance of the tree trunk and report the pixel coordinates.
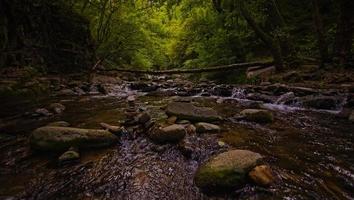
(273, 45)
(285, 40)
(321, 38)
(345, 29)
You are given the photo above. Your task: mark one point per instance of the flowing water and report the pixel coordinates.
(310, 151)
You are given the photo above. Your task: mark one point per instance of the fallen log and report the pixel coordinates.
(190, 71)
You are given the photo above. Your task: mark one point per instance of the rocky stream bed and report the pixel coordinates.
(304, 135)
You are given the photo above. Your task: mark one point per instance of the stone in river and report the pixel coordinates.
(50, 138)
(228, 170)
(203, 127)
(173, 134)
(262, 175)
(190, 112)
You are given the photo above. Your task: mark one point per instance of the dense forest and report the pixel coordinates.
(170, 34)
(176, 99)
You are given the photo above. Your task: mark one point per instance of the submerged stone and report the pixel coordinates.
(262, 175)
(51, 138)
(320, 102)
(257, 115)
(69, 156)
(203, 127)
(111, 128)
(190, 112)
(227, 170)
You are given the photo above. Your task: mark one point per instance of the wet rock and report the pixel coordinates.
(66, 92)
(183, 122)
(150, 88)
(149, 124)
(320, 102)
(203, 127)
(276, 89)
(289, 96)
(251, 104)
(103, 89)
(131, 100)
(171, 120)
(110, 128)
(227, 170)
(61, 138)
(57, 108)
(260, 97)
(186, 147)
(221, 144)
(303, 91)
(162, 93)
(191, 129)
(59, 124)
(142, 118)
(257, 115)
(222, 91)
(262, 175)
(69, 156)
(173, 133)
(42, 112)
(79, 91)
(190, 112)
(144, 87)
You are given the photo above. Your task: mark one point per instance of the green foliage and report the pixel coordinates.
(160, 34)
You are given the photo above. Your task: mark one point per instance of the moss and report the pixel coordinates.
(217, 180)
(226, 171)
(62, 138)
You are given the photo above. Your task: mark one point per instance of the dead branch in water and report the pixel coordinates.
(190, 71)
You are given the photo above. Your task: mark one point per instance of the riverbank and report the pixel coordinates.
(308, 144)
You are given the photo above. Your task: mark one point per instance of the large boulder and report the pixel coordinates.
(257, 115)
(62, 138)
(227, 170)
(190, 112)
(173, 134)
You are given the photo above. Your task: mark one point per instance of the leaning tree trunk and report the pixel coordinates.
(345, 29)
(272, 44)
(321, 38)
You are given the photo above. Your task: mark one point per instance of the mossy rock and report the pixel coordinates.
(227, 170)
(50, 138)
(258, 115)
